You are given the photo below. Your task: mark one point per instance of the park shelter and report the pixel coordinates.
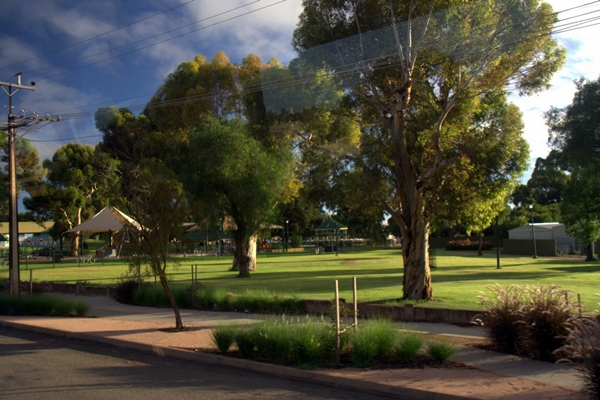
(110, 220)
(330, 230)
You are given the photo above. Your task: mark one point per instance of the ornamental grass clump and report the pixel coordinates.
(274, 340)
(245, 341)
(582, 346)
(307, 347)
(544, 321)
(373, 341)
(440, 350)
(499, 321)
(529, 321)
(223, 337)
(407, 347)
(82, 308)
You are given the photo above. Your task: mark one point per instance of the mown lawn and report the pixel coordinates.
(457, 280)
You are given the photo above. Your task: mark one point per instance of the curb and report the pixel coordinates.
(249, 365)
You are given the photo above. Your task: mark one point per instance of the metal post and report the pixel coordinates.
(337, 323)
(533, 233)
(497, 245)
(287, 235)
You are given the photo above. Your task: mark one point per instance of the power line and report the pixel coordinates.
(97, 36)
(286, 82)
(161, 41)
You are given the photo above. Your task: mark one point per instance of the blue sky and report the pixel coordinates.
(33, 30)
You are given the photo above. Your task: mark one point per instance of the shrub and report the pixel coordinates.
(223, 337)
(245, 341)
(125, 290)
(273, 340)
(530, 321)
(62, 307)
(373, 341)
(467, 244)
(544, 321)
(440, 350)
(408, 346)
(35, 304)
(502, 313)
(583, 347)
(81, 308)
(307, 346)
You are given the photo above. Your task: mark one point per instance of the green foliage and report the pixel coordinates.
(440, 350)
(224, 336)
(274, 340)
(245, 339)
(37, 304)
(438, 143)
(155, 296)
(125, 291)
(82, 308)
(408, 346)
(373, 341)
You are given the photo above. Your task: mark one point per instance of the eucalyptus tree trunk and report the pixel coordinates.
(244, 257)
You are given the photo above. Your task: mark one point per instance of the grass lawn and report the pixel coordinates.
(457, 280)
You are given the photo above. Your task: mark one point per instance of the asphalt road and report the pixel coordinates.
(34, 366)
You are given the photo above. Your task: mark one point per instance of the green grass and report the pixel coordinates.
(457, 281)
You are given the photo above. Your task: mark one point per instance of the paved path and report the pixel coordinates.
(497, 375)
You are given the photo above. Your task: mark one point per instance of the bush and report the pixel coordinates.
(81, 308)
(544, 322)
(306, 345)
(35, 304)
(125, 290)
(223, 337)
(583, 347)
(499, 322)
(467, 244)
(529, 321)
(408, 346)
(373, 341)
(274, 340)
(440, 350)
(245, 340)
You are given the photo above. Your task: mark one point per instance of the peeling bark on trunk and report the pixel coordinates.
(417, 275)
(245, 256)
(165, 285)
(251, 254)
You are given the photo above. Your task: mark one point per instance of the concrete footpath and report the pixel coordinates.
(488, 375)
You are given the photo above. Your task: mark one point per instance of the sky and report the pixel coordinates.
(89, 54)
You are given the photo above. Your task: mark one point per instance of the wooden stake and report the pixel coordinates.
(355, 303)
(30, 282)
(337, 323)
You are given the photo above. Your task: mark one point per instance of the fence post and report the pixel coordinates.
(579, 301)
(30, 282)
(337, 323)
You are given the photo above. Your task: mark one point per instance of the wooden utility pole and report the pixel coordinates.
(14, 122)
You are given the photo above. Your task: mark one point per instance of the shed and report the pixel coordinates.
(543, 231)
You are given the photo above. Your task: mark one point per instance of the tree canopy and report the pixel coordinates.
(426, 82)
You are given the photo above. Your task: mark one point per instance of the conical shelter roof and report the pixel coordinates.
(331, 226)
(108, 219)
